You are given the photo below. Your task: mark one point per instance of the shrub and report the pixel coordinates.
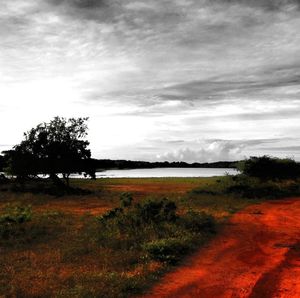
(126, 199)
(13, 219)
(153, 230)
(157, 211)
(198, 222)
(168, 250)
(145, 213)
(249, 187)
(267, 167)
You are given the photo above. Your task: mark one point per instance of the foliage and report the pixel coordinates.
(168, 250)
(198, 221)
(19, 226)
(251, 187)
(51, 148)
(270, 168)
(96, 259)
(12, 220)
(150, 211)
(154, 229)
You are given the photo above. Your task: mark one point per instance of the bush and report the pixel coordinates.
(198, 222)
(12, 220)
(168, 250)
(249, 187)
(266, 167)
(140, 214)
(154, 230)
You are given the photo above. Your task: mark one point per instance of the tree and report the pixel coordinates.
(266, 167)
(57, 147)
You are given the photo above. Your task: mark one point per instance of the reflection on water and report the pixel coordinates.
(164, 172)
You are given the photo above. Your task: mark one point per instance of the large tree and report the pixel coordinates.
(57, 147)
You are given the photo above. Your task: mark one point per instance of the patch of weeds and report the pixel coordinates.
(13, 221)
(249, 187)
(19, 225)
(168, 250)
(198, 222)
(153, 230)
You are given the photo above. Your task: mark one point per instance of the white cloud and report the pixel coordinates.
(209, 151)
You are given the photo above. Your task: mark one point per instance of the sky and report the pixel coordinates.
(186, 80)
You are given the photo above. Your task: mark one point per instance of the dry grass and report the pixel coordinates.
(67, 261)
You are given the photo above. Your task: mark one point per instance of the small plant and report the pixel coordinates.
(198, 222)
(139, 214)
(168, 250)
(126, 199)
(13, 219)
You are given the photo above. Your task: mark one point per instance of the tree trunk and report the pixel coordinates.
(57, 182)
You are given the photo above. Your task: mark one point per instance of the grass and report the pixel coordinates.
(65, 250)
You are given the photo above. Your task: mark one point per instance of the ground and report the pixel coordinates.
(257, 254)
(254, 254)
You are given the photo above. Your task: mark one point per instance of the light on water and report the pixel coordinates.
(164, 172)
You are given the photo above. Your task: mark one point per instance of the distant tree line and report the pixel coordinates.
(105, 164)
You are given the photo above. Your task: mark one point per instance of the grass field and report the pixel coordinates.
(59, 253)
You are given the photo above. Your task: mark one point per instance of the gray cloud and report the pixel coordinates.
(187, 68)
(267, 4)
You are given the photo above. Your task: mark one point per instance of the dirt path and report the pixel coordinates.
(256, 255)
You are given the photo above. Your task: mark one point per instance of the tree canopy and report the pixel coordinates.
(266, 167)
(57, 147)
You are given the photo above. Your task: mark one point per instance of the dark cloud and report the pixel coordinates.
(217, 88)
(266, 4)
(84, 4)
(101, 11)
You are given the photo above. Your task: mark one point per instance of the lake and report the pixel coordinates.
(166, 172)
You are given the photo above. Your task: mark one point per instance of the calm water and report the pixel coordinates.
(162, 172)
(165, 172)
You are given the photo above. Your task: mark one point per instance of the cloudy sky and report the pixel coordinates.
(192, 80)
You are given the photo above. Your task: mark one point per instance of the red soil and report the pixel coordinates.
(257, 254)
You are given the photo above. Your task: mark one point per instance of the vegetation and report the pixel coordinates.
(119, 235)
(154, 230)
(129, 164)
(66, 250)
(57, 147)
(270, 168)
(260, 177)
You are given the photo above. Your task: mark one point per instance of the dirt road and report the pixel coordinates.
(257, 254)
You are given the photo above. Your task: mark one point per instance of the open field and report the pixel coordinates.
(59, 253)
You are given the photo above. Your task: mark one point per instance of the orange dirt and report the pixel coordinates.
(257, 254)
(154, 188)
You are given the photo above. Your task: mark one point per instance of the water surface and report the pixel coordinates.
(166, 172)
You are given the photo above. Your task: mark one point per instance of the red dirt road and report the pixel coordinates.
(256, 255)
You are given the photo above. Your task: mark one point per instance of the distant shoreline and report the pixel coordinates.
(108, 164)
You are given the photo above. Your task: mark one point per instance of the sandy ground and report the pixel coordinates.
(257, 254)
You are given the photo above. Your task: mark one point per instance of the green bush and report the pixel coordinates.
(250, 187)
(168, 250)
(12, 220)
(149, 212)
(198, 222)
(154, 230)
